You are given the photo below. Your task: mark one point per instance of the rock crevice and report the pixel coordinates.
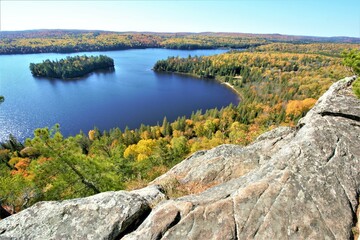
(348, 116)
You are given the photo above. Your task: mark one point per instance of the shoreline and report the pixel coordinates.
(233, 89)
(199, 77)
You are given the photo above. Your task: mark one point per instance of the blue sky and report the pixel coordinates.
(295, 17)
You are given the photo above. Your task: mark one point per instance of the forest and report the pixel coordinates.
(79, 41)
(66, 41)
(71, 67)
(277, 87)
(270, 83)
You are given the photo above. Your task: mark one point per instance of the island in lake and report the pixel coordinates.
(71, 67)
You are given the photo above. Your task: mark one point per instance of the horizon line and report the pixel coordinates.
(170, 32)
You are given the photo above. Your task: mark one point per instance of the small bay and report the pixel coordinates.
(128, 96)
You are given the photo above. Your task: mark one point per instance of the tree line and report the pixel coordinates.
(106, 41)
(71, 67)
(65, 41)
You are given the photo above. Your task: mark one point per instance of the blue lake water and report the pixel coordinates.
(130, 95)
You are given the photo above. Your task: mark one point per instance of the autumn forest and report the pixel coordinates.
(277, 79)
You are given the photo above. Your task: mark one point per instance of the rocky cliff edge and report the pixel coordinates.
(291, 183)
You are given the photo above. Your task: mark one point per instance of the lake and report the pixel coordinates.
(128, 96)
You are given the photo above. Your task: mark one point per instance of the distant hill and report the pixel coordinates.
(46, 33)
(288, 38)
(65, 41)
(50, 33)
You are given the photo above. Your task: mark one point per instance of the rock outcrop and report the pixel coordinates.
(108, 215)
(291, 183)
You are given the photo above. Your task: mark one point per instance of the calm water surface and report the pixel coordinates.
(130, 95)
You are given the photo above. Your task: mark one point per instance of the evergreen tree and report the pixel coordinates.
(166, 128)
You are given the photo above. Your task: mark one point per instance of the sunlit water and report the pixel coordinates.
(130, 95)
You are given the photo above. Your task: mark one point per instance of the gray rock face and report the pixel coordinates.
(106, 215)
(208, 168)
(300, 183)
